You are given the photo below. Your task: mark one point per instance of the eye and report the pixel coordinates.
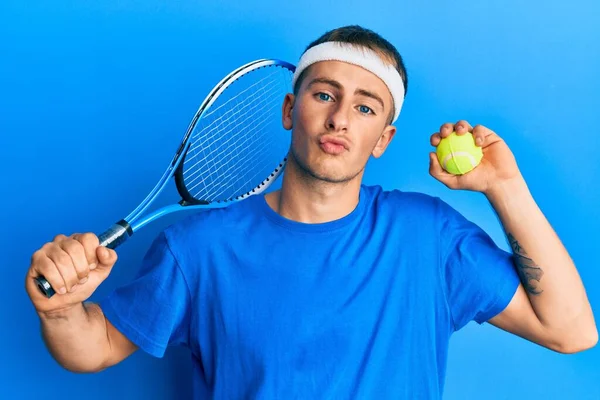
(365, 110)
(324, 96)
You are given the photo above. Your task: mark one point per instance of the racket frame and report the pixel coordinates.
(119, 232)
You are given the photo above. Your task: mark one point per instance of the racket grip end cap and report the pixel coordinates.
(44, 286)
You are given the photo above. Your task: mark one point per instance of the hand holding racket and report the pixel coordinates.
(234, 147)
(75, 266)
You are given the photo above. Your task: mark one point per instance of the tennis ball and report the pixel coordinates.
(458, 154)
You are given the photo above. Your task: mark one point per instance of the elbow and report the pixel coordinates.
(583, 340)
(79, 367)
(83, 369)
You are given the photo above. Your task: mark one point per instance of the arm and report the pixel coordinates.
(550, 307)
(77, 334)
(82, 340)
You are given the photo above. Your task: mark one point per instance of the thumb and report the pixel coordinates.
(436, 171)
(106, 257)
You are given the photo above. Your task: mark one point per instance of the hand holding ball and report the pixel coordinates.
(458, 154)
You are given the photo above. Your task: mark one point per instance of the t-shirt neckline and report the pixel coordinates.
(322, 227)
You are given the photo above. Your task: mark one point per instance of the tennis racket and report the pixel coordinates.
(234, 147)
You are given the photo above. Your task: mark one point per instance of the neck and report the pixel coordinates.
(306, 199)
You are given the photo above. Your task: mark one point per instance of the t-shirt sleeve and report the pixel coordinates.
(153, 311)
(480, 278)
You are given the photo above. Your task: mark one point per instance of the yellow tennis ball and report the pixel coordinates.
(458, 154)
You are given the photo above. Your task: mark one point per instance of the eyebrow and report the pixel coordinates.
(359, 91)
(366, 93)
(327, 81)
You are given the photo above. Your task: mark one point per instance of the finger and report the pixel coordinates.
(90, 243)
(59, 238)
(75, 250)
(446, 129)
(436, 171)
(43, 266)
(484, 136)
(462, 127)
(435, 139)
(65, 266)
(106, 257)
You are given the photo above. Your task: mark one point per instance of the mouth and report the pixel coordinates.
(333, 145)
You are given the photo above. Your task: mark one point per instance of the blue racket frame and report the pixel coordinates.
(119, 232)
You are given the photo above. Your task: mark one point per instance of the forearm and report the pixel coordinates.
(548, 274)
(77, 338)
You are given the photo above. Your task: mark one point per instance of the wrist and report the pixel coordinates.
(507, 189)
(63, 313)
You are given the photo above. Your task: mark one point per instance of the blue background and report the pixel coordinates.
(94, 97)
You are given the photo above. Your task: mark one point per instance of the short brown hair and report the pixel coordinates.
(359, 36)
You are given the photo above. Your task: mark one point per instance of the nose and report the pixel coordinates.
(337, 119)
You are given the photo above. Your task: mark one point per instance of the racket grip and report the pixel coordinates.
(116, 235)
(112, 238)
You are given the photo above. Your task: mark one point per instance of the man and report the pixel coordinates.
(326, 288)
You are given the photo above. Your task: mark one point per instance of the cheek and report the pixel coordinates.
(369, 137)
(306, 121)
(300, 135)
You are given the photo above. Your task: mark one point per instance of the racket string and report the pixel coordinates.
(248, 158)
(214, 110)
(229, 116)
(245, 156)
(233, 147)
(242, 145)
(217, 132)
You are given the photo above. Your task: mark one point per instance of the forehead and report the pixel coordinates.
(350, 72)
(350, 76)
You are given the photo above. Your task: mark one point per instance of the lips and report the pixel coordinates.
(333, 145)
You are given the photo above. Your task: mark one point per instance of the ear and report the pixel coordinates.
(384, 140)
(286, 114)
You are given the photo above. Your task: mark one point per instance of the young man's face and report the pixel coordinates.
(339, 118)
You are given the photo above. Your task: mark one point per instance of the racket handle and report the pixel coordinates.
(116, 235)
(112, 238)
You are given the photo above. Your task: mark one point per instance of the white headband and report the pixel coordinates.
(362, 57)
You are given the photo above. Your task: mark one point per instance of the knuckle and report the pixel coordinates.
(52, 251)
(71, 246)
(89, 237)
(47, 247)
(89, 241)
(58, 238)
(37, 256)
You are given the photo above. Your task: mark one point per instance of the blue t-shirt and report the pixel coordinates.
(359, 308)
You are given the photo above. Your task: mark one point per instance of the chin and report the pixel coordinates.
(330, 178)
(326, 170)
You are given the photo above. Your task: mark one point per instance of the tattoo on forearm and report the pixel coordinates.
(529, 273)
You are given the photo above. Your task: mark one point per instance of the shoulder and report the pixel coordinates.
(401, 200)
(211, 224)
(414, 208)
